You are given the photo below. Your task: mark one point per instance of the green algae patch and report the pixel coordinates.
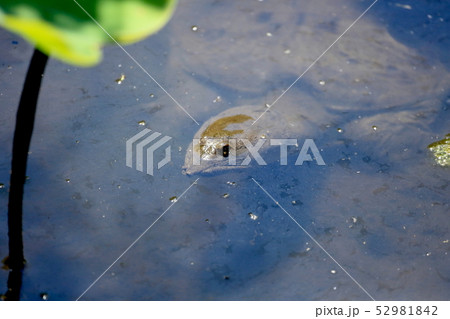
(441, 151)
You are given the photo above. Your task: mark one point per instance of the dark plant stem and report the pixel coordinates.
(21, 144)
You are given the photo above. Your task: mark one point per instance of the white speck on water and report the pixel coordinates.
(287, 51)
(252, 216)
(403, 6)
(173, 199)
(226, 195)
(142, 123)
(194, 28)
(322, 82)
(333, 271)
(269, 34)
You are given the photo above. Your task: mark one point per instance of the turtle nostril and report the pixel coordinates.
(225, 150)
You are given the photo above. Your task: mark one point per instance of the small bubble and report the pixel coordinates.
(142, 123)
(374, 127)
(334, 288)
(268, 34)
(252, 216)
(120, 80)
(340, 130)
(194, 28)
(173, 199)
(44, 296)
(322, 82)
(226, 195)
(428, 254)
(333, 271)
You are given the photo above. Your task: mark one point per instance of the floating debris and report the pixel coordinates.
(151, 95)
(120, 80)
(441, 151)
(217, 99)
(173, 199)
(2, 185)
(333, 271)
(252, 216)
(44, 296)
(194, 28)
(231, 183)
(226, 195)
(340, 130)
(67, 180)
(322, 82)
(374, 127)
(142, 123)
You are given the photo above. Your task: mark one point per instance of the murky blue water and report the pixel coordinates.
(372, 104)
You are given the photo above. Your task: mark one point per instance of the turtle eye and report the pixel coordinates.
(225, 150)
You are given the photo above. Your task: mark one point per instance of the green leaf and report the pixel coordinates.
(61, 29)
